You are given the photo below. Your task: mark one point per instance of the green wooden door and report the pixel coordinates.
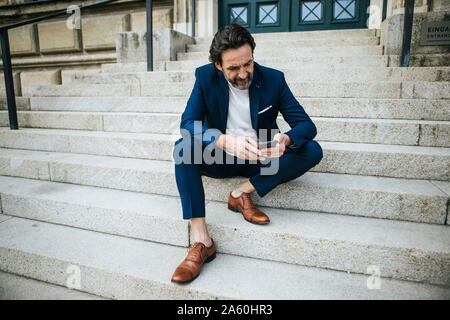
(294, 15)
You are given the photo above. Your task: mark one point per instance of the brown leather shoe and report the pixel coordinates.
(244, 204)
(190, 268)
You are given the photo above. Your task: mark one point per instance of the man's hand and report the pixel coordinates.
(277, 151)
(242, 147)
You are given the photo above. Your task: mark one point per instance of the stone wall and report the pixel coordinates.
(440, 5)
(132, 46)
(77, 41)
(421, 55)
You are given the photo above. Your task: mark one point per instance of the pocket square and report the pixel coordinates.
(265, 109)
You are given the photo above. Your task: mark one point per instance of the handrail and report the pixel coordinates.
(383, 16)
(407, 33)
(6, 53)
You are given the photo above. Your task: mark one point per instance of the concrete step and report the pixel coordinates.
(428, 60)
(112, 104)
(282, 52)
(132, 269)
(22, 103)
(299, 43)
(349, 158)
(323, 74)
(336, 89)
(389, 198)
(395, 132)
(83, 90)
(303, 35)
(342, 238)
(406, 109)
(129, 214)
(292, 62)
(14, 287)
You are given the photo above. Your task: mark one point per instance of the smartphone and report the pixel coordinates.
(267, 144)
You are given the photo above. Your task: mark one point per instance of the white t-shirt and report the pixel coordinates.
(239, 122)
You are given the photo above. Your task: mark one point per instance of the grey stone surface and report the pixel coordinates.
(391, 198)
(332, 89)
(4, 217)
(319, 74)
(77, 90)
(59, 120)
(425, 90)
(266, 45)
(122, 268)
(100, 177)
(445, 187)
(314, 239)
(22, 103)
(419, 109)
(302, 35)
(403, 132)
(401, 250)
(353, 158)
(109, 104)
(392, 33)
(281, 52)
(132, 46)
(14, 287)
(430, 60)
(136, 215)
(315, 62)
(385, 160)
(436, 134)
(380, 131)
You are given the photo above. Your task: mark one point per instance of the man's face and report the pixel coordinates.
(237, 66)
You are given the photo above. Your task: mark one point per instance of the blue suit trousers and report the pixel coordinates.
(292, 164)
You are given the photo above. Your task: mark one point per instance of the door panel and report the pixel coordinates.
(256, 15)
(294, 15)
(328, 14)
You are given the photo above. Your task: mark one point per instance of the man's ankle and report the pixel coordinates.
(236, 193)
(207, 241)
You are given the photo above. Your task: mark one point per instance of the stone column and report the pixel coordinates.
(182, 16)
(208, 22)
(375, 14)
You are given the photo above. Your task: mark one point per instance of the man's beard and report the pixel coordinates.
(243, 86)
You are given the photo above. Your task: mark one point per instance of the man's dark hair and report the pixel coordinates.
(232, 36)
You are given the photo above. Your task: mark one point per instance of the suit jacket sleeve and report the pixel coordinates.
(302, 127)
(192, 119)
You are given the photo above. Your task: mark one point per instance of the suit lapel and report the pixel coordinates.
(223, 101)
(254, 94)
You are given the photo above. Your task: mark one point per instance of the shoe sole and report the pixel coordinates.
(239, 211)
(209, 259)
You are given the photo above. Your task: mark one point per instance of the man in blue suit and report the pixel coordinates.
(232, 108)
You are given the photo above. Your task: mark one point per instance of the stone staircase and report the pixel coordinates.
(88, 184)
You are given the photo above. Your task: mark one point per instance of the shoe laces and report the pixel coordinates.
(196, 251)
(247, 199)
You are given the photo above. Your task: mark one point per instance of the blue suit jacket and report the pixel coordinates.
(268, 92)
